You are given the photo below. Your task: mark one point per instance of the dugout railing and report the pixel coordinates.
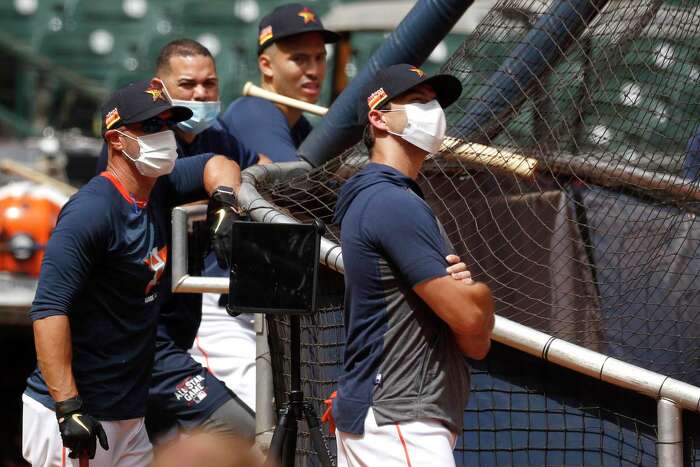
(672, 396)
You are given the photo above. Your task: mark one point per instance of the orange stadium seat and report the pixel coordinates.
(27, 216)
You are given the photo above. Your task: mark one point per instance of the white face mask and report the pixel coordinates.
(203, 115)
(425, 125)
(157, 153)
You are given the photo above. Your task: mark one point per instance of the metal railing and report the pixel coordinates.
(673, 396)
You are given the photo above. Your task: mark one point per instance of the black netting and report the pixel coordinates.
(599, 247)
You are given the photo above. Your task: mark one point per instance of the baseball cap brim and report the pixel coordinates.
(178, 113)
(447, 88)
(329, 37)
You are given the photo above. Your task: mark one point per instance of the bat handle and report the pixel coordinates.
(84, 460)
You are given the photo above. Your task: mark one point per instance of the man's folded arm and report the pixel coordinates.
(466, 308)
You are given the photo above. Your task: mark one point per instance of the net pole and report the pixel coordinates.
(669, 446)
(428, 22)
(488, 110)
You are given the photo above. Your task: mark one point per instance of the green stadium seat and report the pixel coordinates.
(85, 52)
(216, 14)
(106, 14)
(30, 25)
(132, 22)
(124, 78)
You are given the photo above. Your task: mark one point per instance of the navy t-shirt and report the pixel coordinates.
(181, 313)
(400, 358)
(215, 139)
(103, 268)
(261, 126)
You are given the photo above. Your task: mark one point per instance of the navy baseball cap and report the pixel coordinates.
(137, 102)
(289, 20)
(393, 81)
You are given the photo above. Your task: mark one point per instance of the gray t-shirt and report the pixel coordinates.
(400, 357)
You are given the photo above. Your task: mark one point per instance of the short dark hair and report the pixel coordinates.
(368, 137)
(180, 48)
(368, 133)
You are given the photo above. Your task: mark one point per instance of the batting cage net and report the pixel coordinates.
(575, 200)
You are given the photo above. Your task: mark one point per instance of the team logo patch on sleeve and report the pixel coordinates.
(376, 98)
(308, 15)
(111, 118)
(265, 35)
(417, 71)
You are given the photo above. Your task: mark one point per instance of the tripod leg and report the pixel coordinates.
(289, 451)
(274, 455)
(316, 434)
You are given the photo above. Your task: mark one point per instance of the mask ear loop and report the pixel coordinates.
(123, 151)
(165, 90)
(387, 125)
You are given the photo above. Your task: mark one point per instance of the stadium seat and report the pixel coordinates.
(96, 54)
(212, 13)
(29, 23)
(124, 78)
(114, 13)
(133, 22)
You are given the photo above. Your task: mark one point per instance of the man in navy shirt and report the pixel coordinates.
(405, 381)
(188, 72)
(96, 306)
(292, 62)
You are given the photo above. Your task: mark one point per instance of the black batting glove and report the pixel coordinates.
(79, 430)
(221, 213)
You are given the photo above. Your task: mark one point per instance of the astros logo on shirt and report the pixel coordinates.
(156, 262)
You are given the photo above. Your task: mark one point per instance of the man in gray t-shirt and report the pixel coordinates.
(405, 381)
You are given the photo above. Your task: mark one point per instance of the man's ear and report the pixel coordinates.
(376, 119)
(265, 65)
(112, 139)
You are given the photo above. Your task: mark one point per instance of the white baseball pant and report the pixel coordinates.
(422, 443)
(226, 346)
(42, 446)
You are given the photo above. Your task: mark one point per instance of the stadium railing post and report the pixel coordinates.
(264, 409)
(669, 445)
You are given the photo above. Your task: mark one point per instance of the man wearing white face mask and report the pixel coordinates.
(188, 73)
(405, 381)
(101, 285)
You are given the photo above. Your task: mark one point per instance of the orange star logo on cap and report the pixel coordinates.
(308, 15)
(155, 93)
(417, 71)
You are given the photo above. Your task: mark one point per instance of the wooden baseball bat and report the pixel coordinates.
(499, 159)
(15, 168)
(451, 147)
(249, 89)
(84, 460)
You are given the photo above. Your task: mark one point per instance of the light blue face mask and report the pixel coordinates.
(203, 115)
